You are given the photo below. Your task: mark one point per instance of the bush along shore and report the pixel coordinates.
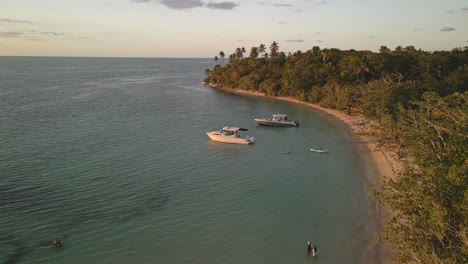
(417, 99)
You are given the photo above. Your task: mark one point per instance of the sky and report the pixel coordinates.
(202, 28)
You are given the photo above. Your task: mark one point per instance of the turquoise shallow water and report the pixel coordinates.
(110, 155)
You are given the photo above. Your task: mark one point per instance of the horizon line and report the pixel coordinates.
(102, 57)
(143, 57)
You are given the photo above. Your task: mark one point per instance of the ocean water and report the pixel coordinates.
(111, 156)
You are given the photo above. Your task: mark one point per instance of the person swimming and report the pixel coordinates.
(309, 248)
(57, 243)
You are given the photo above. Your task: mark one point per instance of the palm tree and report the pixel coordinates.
(261, 48)
(216, 59)
(282, 55)
(231, 58)
(243, 51)
(239, 53)
(254, 52)
(274, 50)
(384, 49)
(222, 55)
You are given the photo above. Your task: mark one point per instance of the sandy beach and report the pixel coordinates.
(379, 163)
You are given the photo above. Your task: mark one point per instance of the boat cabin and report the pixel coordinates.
(280, 117)
(232, 131)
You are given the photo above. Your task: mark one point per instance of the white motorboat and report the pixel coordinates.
(278, 120)
(230, 135)
(319, 150)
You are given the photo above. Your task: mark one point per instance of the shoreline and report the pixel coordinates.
(378, 163)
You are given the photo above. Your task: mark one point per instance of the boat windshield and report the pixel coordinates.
(228, 132)
(278, 118)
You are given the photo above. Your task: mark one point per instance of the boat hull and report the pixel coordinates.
(215, 136)
(320, 150)
(267, 122)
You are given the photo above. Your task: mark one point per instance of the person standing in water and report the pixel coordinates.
(309, 248)
(314, 251)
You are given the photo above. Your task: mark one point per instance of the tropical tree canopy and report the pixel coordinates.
(419, 101)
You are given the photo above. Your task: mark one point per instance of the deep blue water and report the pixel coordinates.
(111, 156)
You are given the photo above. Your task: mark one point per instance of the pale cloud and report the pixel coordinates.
(189, 4)
(281, 23)
(417, 29)
(11, 34)
(462, 10)
(175, 4)
(7, 20)
(222, 5)
(294, 40)
(182, 4)
(446, 29)
(319, 2)
(282, 5)
(33, 35)
(49, 33)
(33, 39)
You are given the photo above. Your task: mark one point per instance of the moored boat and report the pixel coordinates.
(278, 120)
(230, 135)
(319, 150)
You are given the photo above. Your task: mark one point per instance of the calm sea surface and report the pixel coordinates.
(111, 156)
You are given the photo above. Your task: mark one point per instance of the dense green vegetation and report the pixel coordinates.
(418, 98)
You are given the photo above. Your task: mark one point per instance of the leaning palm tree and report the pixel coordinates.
(216, 59)
(274, 50)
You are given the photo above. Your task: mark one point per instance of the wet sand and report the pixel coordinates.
(378, 163)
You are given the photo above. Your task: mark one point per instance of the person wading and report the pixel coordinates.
(309, 248)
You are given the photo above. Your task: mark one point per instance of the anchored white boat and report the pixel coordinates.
(319, 150)
(230, 135)
(278, 120)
